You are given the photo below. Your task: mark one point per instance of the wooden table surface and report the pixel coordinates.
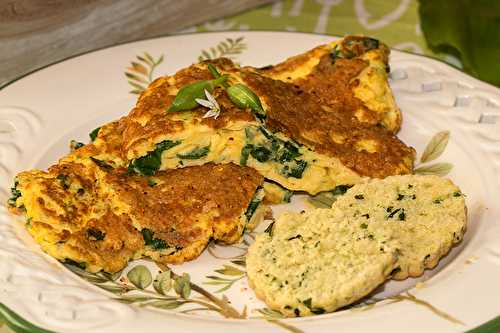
(34, 33)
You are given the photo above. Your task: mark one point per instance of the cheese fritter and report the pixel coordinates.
(303, 144)
(91, 210)
(317, 262)
(324, 259)
(349, 76)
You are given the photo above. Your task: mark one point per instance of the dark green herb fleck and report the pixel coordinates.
(288, 196)
(94, 133)
(152, 183)
(74, 145)
(101, 163)
(155, 243)
(402, 215)
(389, 209)
(254, 204)
(148, 164)
(366, 215)
(195, 153)
(363, 226)
(63, 179)
(269, 229)
(400, 197)
(95, 234)
(15, 194)
(296, 170)
(394, 212)
(359, 196)
(341, 189)
(245, 152)
(261, 154)
(299, 236)
(457, 194)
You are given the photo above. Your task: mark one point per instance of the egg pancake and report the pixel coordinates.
(302, 144)
(90, 209)
(349, 76)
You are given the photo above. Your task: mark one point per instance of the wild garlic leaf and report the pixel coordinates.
(140, 276)
(163, 282)
(438, 169)
(94, 133)
(187, 95)
(244, 98)
(435, 147)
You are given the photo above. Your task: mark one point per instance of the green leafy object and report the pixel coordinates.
(140, 276)
(15, 194)
(94, 133)
(261, 154)
(95, 234)
(150, 240)
(295, 170)
(439, 169)
(435, 147)
(195, 153)
(187, 95)
(166, 305)
(287, 197)
(74, 145)
(245, 98)
(147, 165)
(213, 70)
(101, 163)
(254, 204)
(467, 29)
(182, 285)
(63, 179)
(80, 265)
(163, 282)
(245, 152)
(341, 189)
(269, 229)
(17, 323)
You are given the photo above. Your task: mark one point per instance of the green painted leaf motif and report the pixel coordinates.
(18, 323)
(438, 169)
(187, 95)
(182, 285)
(163, 282)
(230, 270)
(244, 98)
(166, 305)
(227, 48)
(140, 276)
(435, 147)
(266, 312)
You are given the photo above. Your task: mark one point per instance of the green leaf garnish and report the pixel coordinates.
(101, 163)
(94, 133)
(245, 98)
(150, 240)
(15, 194)
(195, 153)
(254, 203)
(95, 234)
(187, 95)
(147, 165)
(74, 145)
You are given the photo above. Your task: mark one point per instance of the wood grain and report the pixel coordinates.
(34, 33)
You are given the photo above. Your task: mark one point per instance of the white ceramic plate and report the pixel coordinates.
(42, 112)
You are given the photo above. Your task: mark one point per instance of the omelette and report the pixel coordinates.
(89, 209)
(303, 134)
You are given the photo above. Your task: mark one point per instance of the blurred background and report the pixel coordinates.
(464, 33)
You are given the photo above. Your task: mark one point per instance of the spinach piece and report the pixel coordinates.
(245, 152)
(101, 163)
(261, 154)
(94, 133)
(359, 196)
(81, 265)
(74, 145)
(296, 170)
(15, 194)
(147, 165)
(95, 234)
(64, 181)
(394, 212)
(195, 153)
(150, 240)
(254, 204)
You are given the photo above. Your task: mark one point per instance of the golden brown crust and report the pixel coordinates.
(330, 131)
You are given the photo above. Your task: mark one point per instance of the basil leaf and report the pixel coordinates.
(187, 95)
(147, 165)
(195, 153)
(94, 133)
(244, 98)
